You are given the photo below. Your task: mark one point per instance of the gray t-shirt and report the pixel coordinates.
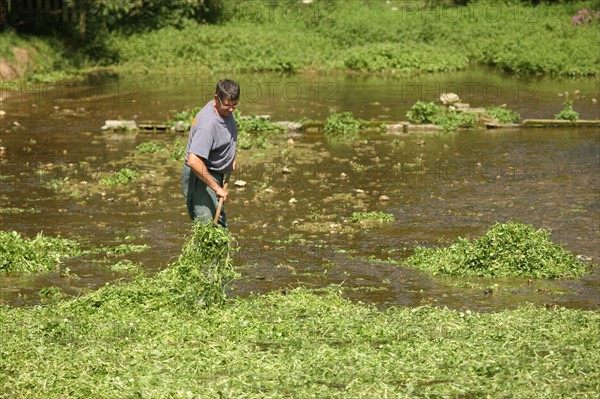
(213, 138)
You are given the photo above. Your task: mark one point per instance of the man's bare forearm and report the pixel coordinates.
(198, 166)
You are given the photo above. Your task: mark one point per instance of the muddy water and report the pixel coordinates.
(440, 186)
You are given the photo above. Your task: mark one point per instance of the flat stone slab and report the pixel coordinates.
(560, 123)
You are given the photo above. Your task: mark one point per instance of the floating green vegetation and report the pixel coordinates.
(50, 293)
(40, 254)
(9, 210)
(247, 140)
(377, 216)
(342, 126)
(43, 254)
(567, 113)
(132, 340)
(183, 119)
(65, 186)
(503, 114)
(254, 131)
(178, 150)
(507, 249)
(256, 123)
(150, 147)
(124, 266)
(122, 177)
(446, 118)
(122, 249)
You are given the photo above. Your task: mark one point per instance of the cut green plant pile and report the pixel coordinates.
(509, 249)
(44, 254)
(122, 342)
(40, 254)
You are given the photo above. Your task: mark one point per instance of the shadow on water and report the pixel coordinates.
(439, 186)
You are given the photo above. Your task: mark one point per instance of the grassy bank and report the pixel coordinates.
(376, 37)
(364, 37)
(32, 58)
(295, 345)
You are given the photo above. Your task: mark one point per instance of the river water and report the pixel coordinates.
(440, 186)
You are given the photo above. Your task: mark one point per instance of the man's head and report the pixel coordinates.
(227, 96)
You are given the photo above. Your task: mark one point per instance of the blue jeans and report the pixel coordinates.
(201, 200)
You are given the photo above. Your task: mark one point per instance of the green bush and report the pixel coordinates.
(502, 114)
(567, 113)
(392, 57)
(342, 126)
(422, 112)
(450, 120)
(507, 249)
(446, 118)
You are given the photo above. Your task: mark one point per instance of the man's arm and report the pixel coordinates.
(197, 165)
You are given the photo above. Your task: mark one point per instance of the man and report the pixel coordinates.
(210, 153)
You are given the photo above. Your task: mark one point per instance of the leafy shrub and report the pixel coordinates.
(446, 118)
(342, 126)
(392, 57)
(567, 113)
(585, 17)
(450, 120)
(510, 249)
(503, 114)
(422, 112)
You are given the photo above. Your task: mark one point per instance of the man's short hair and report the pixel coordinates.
(227, 89)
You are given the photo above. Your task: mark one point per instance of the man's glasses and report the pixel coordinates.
(229, 106)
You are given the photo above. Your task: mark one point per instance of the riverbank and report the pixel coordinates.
(383, 38)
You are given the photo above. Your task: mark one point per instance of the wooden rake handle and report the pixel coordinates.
(220, 205)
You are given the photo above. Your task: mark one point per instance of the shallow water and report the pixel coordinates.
(440, 186)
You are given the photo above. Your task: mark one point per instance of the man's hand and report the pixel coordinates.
(222, 193)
